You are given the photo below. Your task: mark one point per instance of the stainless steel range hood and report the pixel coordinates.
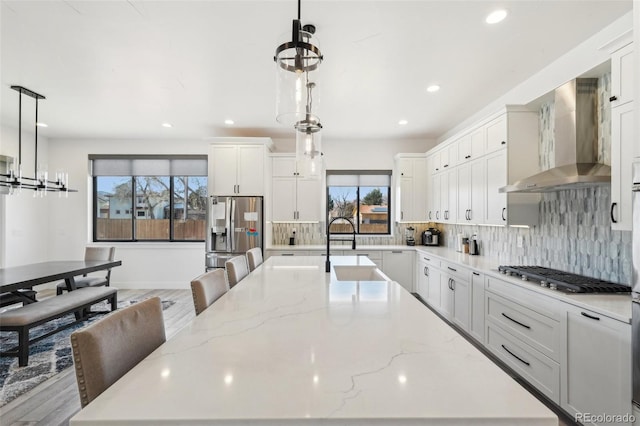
(576, 143)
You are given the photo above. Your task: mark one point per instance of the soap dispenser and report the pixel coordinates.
(473, 244)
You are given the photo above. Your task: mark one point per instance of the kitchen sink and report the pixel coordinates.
(358, 273)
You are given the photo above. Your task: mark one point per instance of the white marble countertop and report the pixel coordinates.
(616, 306)
(292, 345)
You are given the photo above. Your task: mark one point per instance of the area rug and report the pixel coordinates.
(47, 357)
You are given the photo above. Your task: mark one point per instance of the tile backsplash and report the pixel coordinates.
(574, 235)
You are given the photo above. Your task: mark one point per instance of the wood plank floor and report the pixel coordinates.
(55, 401)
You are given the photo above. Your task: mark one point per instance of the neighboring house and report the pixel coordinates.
(374, 214)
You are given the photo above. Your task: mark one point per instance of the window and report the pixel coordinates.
(361, 196)
(163, 198)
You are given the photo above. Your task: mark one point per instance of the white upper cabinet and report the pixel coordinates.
(237, 169)
(493, 154)
(622, 78)
(411, 184)
(496, 134)
(622, 137)
(294, 197)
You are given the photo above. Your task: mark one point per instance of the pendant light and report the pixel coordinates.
(40, 183)
(298, 61)
(297, 69)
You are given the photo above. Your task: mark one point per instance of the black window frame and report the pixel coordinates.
(134, 197)
(358, 201)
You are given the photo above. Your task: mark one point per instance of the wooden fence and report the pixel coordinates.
(150, 229)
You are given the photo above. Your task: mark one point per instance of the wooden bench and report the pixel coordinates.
(26, 317)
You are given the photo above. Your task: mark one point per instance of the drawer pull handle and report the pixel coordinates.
(613, 219)
(475, 273)
(517, 322)
(515, 356)
(613, 98)
(427, 259)
(286, 254)
(584, 314)
(454, 270)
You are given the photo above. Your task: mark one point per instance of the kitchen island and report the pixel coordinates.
(291, 344)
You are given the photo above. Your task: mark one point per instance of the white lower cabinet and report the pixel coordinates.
(597, 374)
(398, 265)
(268, 253)
(455, 294)
(539, 370)
(523, 329)
(476, 328)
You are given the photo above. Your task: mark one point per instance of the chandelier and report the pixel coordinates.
(12, 177)
(298, 60)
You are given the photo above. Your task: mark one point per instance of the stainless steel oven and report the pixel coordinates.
(635, 321)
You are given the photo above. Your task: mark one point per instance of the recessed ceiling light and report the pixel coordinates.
(228, 122)
(496, 16)
(167, 125)
(433, 88)
(403, 122)
(41, 124)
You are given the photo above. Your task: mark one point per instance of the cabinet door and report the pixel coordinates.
(453, 196)
(464, 193)
(436, 206)
(464, 149)
(223, 170)
(478, 143)
(461, 314)
(597, 374)
(622, 141)
(309, 197)
(398, 265)
(496, 173)
(446, 295)
(496, 132)
(476, 328)
(406, 200)
(433, 290)
(405, 167)
(419, 190)
(622, 84)
(284, 199)
(444, 197)
(250, 177)
(452, 154)
(477, 192)
(283, 166)
(422, 282)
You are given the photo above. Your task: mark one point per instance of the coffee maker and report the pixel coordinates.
(431, 237)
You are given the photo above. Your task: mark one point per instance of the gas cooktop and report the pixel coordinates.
(564, 281)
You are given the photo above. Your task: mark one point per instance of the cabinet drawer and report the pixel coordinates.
(533, 328)
(375, 255)
(456, 271)
(429, 260)
(540, 371)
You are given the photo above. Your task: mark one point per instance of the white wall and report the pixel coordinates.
(24, 219)
(144, 265)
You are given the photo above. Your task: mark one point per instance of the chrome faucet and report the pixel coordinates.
(353, 242)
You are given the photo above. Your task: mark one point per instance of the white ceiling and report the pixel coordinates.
(118, 69)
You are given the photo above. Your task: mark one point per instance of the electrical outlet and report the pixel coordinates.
(520, 241)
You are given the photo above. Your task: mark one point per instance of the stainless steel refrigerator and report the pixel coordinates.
(635, 319)
(234, 225)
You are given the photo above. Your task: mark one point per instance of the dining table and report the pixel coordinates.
(291, 344)
(16, 278)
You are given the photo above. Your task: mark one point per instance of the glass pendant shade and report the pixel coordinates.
(309, 151)
(297, 70)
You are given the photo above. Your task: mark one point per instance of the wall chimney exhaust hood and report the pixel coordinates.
(576, 143)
